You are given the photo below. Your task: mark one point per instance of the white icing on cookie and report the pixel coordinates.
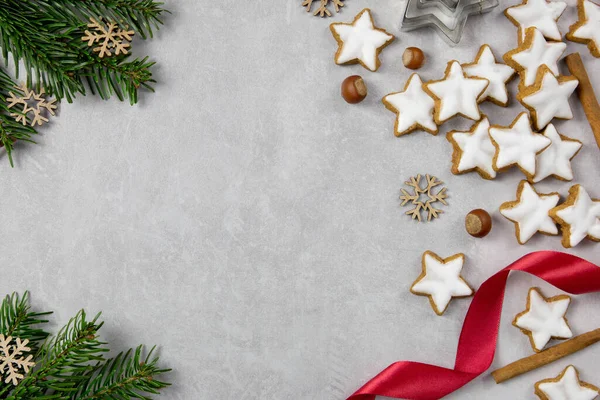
(590, 26)
(539, 53)
(545, 319)
(485, 66)
(441, 280)
(568, 387)
(360, 41)
(583, 217)
(540, 14)
(517, 145)
(457, 94)
(530, 212)
(556, 158)
(414, 107)
(551, 100)
(477, 148)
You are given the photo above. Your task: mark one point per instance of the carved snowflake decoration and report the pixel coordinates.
(13, 364)
(109, 37)
(323, 10)
(414, 197)
(31, 103)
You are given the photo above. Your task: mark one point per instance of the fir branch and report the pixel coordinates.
(125, 376)
(64, 360)
(141, 15)
(17, 319)
(71, 366)
(109, 75)
(48, 60)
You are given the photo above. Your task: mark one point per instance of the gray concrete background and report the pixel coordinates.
(247, 220)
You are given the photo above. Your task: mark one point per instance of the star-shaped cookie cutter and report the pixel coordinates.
(447, 17)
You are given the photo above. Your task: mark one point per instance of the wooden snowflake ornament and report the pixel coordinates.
(31, 103)
(323, 10)
(109, 38)
(414, 197)
(14, 364)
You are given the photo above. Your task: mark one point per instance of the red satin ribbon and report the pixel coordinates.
(477, 343)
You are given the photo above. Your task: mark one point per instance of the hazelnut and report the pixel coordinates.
(413, 58)
(354, 89)
(478, 223)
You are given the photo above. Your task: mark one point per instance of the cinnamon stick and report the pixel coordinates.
(546, 357)
(585, 91)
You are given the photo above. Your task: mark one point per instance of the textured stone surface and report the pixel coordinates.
(246, 219)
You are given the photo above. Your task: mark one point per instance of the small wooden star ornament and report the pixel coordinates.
(31, 104)
(441, 280)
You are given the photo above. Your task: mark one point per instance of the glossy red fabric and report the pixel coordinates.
(477, 343)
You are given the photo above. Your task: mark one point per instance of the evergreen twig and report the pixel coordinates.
(125, 375)
(17, 319)
(71, 365)
(45, 35)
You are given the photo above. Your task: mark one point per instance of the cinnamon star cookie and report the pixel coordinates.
(473, 150)
(531, 212)
(485, 66)
(414, 108)
(456, 94)
(578, 216)
(517, 145)
(360, 41)
(441, 280)
(555, 160)
(548, 97)
(544, 319)
(566, 386)
(540, 14)
(587, 29)
(534, 52)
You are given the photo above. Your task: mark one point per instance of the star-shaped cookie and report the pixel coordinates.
(555, 160)
(441, 280)
(544, 319)
(485, 66)
(414, 108)
(473, 150)
(587, 28)
(530, 212)
(517, 145)
(456, 94)
(548, 97)
(540, 14)
(578, 216)
(360, 41)
(534, 52)
(566, 386)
